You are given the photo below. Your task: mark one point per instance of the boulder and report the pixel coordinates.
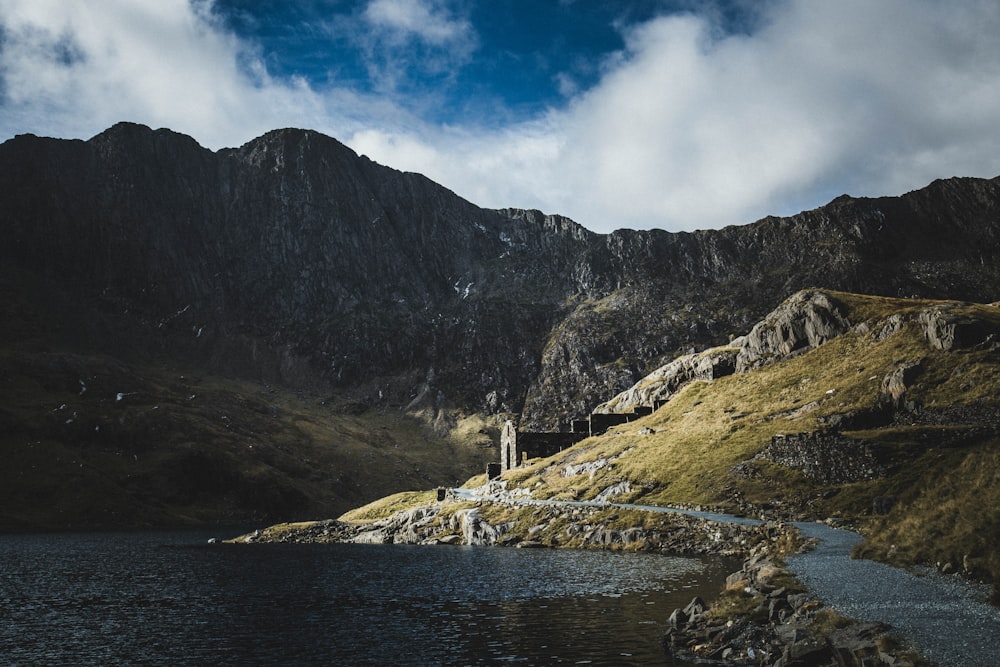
(945, 329)
(804, 321)
(857, 644)
(678, 619)
(475, 530)
(798, 600)
(696, 607)
(530, 544)
(897, 381)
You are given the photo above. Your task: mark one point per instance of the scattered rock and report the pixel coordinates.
(614, 490)
(781, 630)
(824, 456)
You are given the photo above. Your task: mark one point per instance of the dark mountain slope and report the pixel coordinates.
(333, 268)
(293, 261)
(690, 289)
(294, 250)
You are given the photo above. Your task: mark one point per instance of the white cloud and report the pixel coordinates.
(687, 128)
(405, 40)
(498, 169)
(161, 62)
(425, 20)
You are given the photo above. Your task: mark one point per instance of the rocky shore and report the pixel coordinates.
(490, 516)
(764, 616)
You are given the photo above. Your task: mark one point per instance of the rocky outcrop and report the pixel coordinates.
(945, 329)
(895, 384)
(407, 527)
(804, 321)
(475, 530)
(664, 382)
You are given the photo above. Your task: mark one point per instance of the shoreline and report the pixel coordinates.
(763, 616)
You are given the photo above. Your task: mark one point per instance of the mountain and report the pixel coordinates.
(293, 264)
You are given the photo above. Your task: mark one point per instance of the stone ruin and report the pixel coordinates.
(516, 448)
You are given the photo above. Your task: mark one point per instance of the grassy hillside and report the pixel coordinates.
(89, 441)
(924, 486)
(100, 428)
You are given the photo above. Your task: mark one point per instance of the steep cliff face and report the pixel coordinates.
(295, 260)
(683, 292)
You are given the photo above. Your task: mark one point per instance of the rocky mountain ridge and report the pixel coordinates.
(294, 259)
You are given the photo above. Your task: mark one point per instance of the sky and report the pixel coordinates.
(670, 114)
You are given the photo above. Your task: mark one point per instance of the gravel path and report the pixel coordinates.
(943, 615)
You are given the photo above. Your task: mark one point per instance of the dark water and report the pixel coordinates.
(169, 598)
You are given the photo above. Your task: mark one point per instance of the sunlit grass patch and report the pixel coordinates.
(389, 505)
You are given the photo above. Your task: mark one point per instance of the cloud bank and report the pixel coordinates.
(688, 127)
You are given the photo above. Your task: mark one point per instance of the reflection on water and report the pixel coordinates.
(157, 598)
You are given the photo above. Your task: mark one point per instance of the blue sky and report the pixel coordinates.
(492, 62)
(676, 114)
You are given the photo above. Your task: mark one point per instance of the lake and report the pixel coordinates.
(171, 598)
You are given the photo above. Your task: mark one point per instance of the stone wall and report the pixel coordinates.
(824, 456)
(516, 447)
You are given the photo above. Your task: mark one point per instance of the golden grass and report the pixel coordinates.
(389, 505)
(710, 426)
(953, 517)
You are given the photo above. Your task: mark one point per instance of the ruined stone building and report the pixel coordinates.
(516, 448)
